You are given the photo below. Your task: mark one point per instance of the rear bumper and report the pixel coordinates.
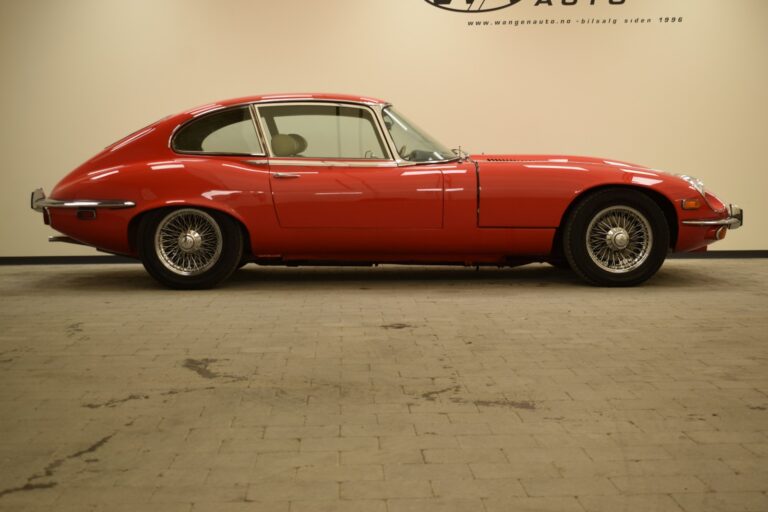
(734, 220)
(38, 202)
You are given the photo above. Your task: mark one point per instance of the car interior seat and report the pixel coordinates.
(291, 144)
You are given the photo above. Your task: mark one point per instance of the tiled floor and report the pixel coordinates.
(385, 389)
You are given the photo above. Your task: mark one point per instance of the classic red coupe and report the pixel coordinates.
(301, 179)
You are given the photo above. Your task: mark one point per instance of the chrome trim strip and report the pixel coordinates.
(253, 104)
(730, 221)
(38, 201)
(734, 221)
(65, 239)
(260, 133)
(112, 204)
(332, 163)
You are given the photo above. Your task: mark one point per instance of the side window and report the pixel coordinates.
(229, 132)
(322, 131)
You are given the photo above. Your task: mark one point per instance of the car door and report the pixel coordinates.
(330, 169)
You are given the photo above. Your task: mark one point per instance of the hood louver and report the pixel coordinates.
(507, 160)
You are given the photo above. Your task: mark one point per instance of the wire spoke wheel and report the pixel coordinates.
(619, 239)
(188, 242)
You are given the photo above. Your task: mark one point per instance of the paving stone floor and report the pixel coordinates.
(385, 389)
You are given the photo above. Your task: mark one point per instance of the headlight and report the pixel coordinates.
(694, 182)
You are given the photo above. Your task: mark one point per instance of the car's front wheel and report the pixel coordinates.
(616, 237)
(189, 248)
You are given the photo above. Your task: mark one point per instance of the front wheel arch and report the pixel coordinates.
(660, 199)
(616, 237)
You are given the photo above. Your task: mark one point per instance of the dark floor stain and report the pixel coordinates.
(186, 390)
(173, 392)
(28, 487)
(506, 403)
(115, 402)
(95, 446)
(6, 360)
(50, 469)
(757, 408)
(200, 367)
(74, 328)
(396, 326)
(432, 395)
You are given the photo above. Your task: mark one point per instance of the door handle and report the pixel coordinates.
(286, 175)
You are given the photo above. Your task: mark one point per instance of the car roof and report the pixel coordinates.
(287, 97)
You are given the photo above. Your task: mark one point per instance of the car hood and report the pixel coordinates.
(558, 159)
(569, 163)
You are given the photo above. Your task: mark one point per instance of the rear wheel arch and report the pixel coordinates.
(135, 222)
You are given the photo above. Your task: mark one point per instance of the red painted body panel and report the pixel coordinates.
(488, 209)
(364, 197)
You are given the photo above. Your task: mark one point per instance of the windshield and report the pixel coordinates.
(412, 144)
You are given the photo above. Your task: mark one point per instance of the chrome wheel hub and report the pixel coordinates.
(619, 239)
(188, 242)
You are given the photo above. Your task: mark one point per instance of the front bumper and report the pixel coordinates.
(734, 220)
(38, 202)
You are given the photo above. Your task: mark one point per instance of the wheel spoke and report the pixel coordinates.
(619, 239)
(188, 242)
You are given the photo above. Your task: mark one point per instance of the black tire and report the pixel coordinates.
(189, 248)
(616, 237)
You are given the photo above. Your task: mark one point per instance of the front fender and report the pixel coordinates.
(538, 194)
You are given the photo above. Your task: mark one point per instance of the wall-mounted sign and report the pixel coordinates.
(470, 6)
(473, 5)
(595, 13)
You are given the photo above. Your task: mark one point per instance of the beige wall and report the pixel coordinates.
(691, 97)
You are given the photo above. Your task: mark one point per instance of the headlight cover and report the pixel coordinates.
(694, 182)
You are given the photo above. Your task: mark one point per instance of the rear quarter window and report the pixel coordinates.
(228, 132)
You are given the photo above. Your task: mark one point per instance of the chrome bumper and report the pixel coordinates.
(734, 220)
(38, 201)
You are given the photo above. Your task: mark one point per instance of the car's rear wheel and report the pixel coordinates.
(189, 248)
(616, 237)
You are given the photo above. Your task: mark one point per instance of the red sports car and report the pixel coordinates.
(300, 179)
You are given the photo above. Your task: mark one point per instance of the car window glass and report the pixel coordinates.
(413, 144)
(322, 131)
(229, 131)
